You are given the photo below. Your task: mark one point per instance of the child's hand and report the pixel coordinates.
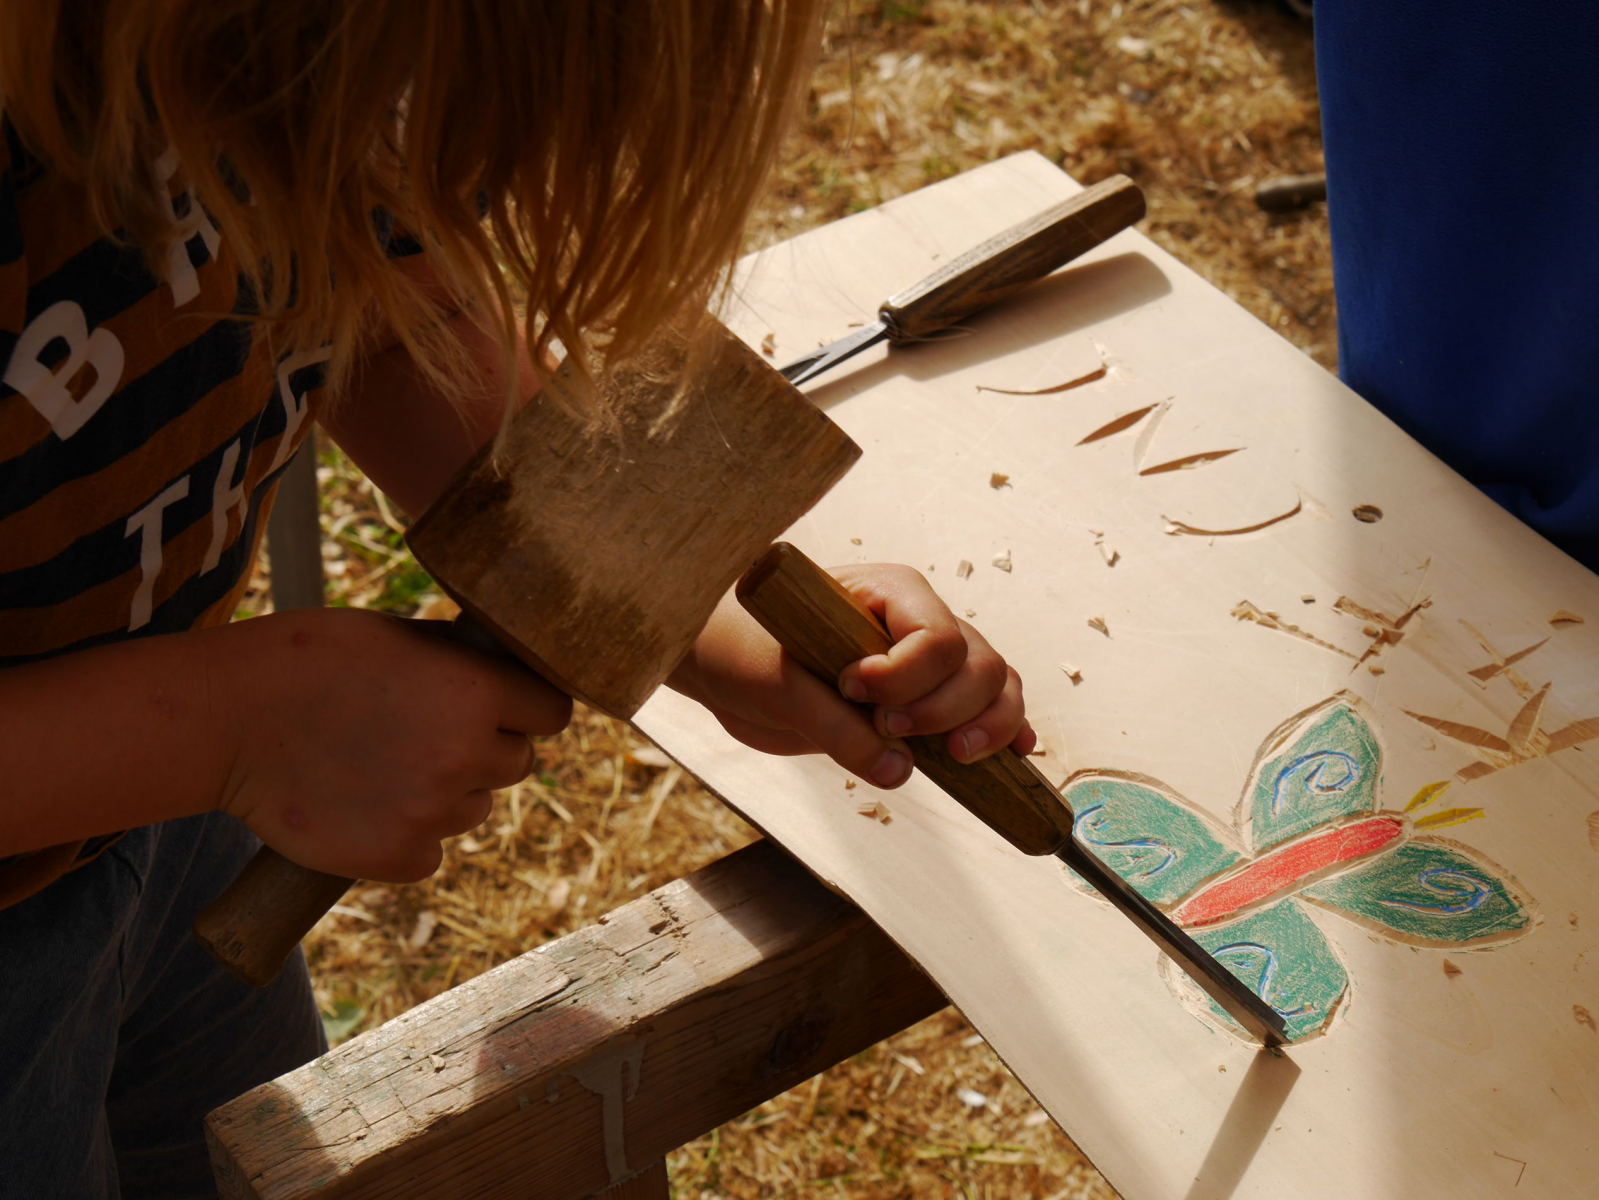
(367, 739)
(940, 676)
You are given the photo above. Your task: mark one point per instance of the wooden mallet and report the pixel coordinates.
(595, 559)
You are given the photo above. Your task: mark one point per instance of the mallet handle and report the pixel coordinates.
(258, 920)
(824, 627)
(1013, 259)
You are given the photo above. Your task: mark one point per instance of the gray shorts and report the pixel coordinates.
(118, 1034)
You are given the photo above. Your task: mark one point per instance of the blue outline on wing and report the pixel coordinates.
(1147, 834)
(1292, 788)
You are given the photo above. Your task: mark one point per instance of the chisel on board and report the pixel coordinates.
(822, 626)
(988, 273)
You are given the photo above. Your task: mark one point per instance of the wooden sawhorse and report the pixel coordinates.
(571, 1071)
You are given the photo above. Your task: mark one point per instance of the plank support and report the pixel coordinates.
(574, 1069)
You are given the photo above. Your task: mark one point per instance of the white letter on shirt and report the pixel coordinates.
(225, 496)
(47, 390)
(294, 406)
(147, 524)
(181, 275)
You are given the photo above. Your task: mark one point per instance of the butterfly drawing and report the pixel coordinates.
(1309, 834)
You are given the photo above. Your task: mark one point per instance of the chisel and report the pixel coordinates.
(988, 273)
(825, 628)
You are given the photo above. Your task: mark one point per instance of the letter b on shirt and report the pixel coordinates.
(46, 388)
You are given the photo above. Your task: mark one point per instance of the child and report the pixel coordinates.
(220, 219)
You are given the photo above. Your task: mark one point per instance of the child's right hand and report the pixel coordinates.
(367, 739)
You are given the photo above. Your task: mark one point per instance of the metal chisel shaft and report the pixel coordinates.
(824, 627)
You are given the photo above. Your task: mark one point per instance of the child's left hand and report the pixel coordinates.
(940, 676)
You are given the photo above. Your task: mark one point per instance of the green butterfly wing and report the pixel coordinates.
(1281, 956)
(1429, 891)
(1145, 834)
(1320, 765)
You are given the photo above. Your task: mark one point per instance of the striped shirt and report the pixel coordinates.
(142, 432)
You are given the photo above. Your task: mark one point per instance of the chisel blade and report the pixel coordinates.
(1220, 984)
(830, 355)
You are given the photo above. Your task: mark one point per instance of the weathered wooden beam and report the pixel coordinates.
(649, 1184)
(557, 1074)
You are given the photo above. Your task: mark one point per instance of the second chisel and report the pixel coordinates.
(987, 273)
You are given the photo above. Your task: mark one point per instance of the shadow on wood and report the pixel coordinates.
(1260, 1097)
(557, 1074)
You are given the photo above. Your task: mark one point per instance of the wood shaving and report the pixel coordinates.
(649, 756)
(1584, 1017)
(1106, 551)
(1072, 673)
(1564, 619)
(769, 345)
(1119, 424)
(876, 810)
(1099, 624)
(555, 899)
(1097, 373)
(438, 1062)
(1002, 561)
(1376, 668)
(426, 922)
(1175, 528)
(1189, 461)
(970, 1098)
(855, 541)
(1307, 598)
(963, 571)
(849, 785)
(970, 613)
(1450, 969)
(997, 481)
(908, 1062)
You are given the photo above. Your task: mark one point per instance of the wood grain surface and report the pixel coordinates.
(599, 557)
(1170, 554)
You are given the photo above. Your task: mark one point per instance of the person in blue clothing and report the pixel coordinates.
(1462, 144)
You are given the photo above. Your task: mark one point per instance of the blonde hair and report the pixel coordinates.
(618, 146)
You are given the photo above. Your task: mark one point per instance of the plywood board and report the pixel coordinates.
(1258, 627)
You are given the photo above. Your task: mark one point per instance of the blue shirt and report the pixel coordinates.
(1462, 141)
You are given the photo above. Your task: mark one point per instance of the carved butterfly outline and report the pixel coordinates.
(1311, 834)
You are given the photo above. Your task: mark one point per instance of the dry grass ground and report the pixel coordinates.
(1197, 101)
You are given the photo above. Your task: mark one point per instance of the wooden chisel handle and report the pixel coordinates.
(258, 920)
(1011, 260)
(824, 627)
